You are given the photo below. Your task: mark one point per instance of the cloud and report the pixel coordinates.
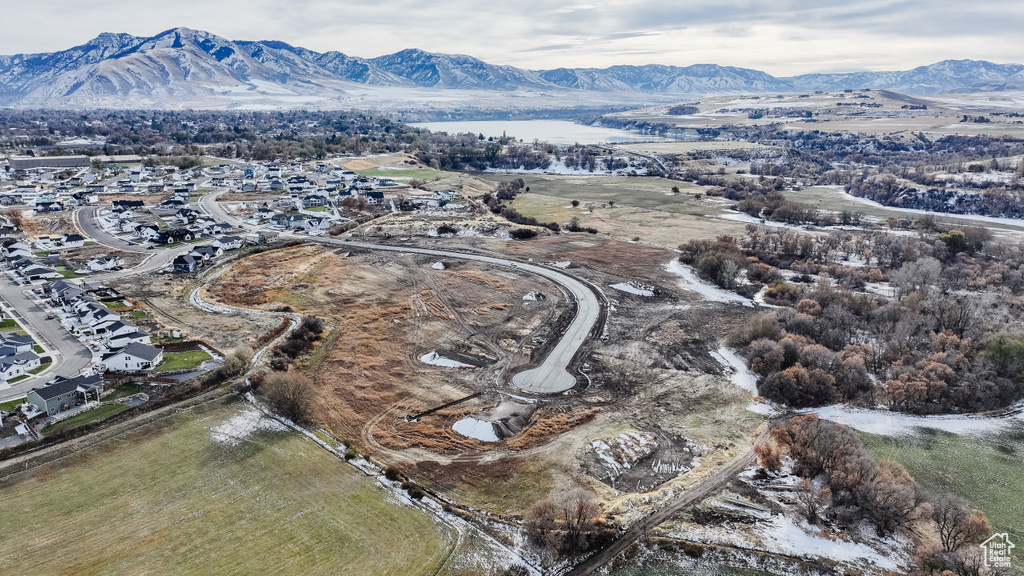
(774, 36)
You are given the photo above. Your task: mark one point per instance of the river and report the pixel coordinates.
(559, 132)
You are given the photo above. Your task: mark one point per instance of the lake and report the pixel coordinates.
(553, 131)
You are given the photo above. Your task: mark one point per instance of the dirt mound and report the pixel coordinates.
(641, 461)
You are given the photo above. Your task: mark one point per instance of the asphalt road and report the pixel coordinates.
(71, 358)
(552, 376)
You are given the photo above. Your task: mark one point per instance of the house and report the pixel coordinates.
(249, 187)
(91, 317)
(147, 231)
(228, 242)
(275, 186)
(189, 187)
(126, 188)
(175, 235)
(86, 197)
(69, 241)
(134, 357)
(187, 215)
(186, 263)
(262, 214)
(216, 228)
(22, 249)
(155, 188)
(37, 272)
(313, 200)
(443, 195)
(128, 204)
(123, 340)
(61, 293)
(108, 262)
(96, 189)
(374, 197)
(18, 342)
(120, 334)
(206, 252)
(65, 394)
(18, 364)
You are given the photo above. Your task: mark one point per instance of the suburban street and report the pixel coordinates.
(71, 355)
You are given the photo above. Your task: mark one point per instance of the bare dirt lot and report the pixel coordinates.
(385, 311)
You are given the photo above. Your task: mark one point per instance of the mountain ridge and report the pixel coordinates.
(182, 63)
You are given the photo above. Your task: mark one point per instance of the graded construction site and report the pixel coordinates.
(416, 368)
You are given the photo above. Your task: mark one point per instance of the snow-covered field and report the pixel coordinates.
(241, 426)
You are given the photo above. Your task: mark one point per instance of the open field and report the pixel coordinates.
(985, 470)
(214, 490)
(666, 228)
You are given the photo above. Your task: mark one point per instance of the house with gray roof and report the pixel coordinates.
(65, 394)
(134, 357)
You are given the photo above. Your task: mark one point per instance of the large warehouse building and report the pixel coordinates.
(28, 162)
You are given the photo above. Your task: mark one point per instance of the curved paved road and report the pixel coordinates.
(552, 376)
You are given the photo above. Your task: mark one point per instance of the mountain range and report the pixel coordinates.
(201, 69)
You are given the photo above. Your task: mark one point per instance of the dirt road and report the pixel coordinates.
(638, 529)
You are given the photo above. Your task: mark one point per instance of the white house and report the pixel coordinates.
(228, 242)
(18, 365)
(108, 262)
(134, 357)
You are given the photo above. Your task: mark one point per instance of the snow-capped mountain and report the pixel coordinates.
(192, 66)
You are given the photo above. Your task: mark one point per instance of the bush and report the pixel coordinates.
(350, 454)
(523, 233)
(392, 473)
(290, 395)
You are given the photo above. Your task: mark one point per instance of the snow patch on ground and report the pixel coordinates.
(435, 359)
(896, 424)
(785, 536)
(473, 428)
(241, 426)
(690, 281)
(741, 375)
(633, 288)
(623, 451)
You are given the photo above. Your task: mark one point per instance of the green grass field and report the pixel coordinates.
(182, 360)
(194, 494)
(9, 325)
(986, 470)
(87, 417)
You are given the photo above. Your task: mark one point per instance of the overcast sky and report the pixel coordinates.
(782, 37)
